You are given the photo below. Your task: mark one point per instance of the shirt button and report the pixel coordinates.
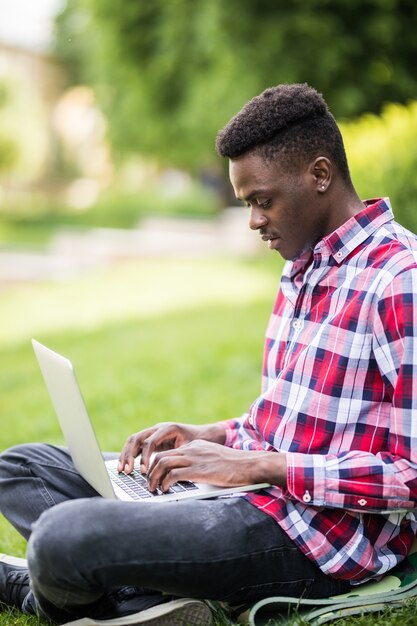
(307, 497)
(362, 502)
(339, 254)
(295, 324)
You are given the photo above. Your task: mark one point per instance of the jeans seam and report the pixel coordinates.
(216, 561)
(42, 488)
(63, 468)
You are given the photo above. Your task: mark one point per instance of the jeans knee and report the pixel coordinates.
(21, 454)
(13, 460)
(57, 538)
(11, 455)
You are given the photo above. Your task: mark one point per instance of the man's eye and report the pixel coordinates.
(265, 204)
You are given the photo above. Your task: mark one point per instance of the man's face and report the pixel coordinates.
(284, 207)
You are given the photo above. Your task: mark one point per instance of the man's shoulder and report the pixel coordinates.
(400, 232)
(394, 248)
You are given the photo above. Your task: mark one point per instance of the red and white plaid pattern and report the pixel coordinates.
(339, 396)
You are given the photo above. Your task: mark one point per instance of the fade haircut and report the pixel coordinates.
(290, 121)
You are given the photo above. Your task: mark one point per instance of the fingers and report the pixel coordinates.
(168, 469)
(187, 462)
(150, 444)
(162, 436)
(131, 450)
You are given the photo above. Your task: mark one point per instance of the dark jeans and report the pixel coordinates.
(81, 545)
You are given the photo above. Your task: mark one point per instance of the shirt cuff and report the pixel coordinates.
(306, 477)
(232, 431)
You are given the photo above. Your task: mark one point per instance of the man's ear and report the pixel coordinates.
(322, 172)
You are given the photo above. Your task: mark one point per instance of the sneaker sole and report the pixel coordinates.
(13, 560)
(182, 612)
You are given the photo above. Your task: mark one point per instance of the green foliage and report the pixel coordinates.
(169, 74)
(8, 152)
(117, 209)
(382, 153)
(8, 147)
(23, 141)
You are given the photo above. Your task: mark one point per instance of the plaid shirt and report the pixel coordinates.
(339, 396)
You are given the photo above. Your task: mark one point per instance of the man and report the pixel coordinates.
(332, 430)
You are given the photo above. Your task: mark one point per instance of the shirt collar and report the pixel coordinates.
(341, 242)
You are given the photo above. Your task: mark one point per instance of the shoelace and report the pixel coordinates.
(17, 587)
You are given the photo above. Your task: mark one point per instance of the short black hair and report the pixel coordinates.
(292, 120)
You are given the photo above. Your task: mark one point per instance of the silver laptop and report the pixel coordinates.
(81, 440)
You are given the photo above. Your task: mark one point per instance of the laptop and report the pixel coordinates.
(83, 446)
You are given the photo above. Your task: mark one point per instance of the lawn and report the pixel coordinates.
(151, 341)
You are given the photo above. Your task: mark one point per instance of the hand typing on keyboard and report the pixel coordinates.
(198, 454)
(208, 462)
(164, 436)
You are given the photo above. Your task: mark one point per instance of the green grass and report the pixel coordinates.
(150, 341)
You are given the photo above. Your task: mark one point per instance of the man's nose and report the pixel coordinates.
(257, 219)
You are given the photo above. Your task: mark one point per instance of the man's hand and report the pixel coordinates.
(164, 436)
(208, 462)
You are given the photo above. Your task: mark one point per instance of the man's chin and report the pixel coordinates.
(291, 255)
(273, 244)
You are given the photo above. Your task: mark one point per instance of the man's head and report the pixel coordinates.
(291, 123)
(288, 163)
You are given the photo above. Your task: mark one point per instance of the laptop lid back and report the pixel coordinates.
(75, 423)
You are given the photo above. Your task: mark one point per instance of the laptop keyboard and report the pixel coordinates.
(136, 485)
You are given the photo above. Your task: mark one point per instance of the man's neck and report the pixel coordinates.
(344, 203)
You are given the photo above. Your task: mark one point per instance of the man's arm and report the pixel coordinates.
(220, 465)
(198, 453)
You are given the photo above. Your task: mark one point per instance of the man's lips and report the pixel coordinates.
(270, 239)
(265, 237)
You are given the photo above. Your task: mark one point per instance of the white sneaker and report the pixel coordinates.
(16, 561)
(181, 612)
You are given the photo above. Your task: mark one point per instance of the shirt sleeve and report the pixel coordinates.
(385, 481)
(241, 434)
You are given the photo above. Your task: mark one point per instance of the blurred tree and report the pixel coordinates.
(382, 155)
(170, 73)
(8, 147)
